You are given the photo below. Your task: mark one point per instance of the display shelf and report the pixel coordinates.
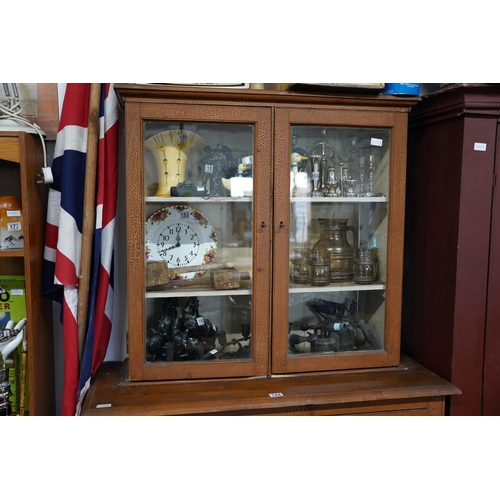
(11, 253)
(196, 199)
(198, 291)
(21, 158)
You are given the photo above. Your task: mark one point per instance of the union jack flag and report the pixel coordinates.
(62, 253)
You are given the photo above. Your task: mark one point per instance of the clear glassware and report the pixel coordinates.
(365, 269)
(320, 267)
(333, 238)
(301, 265)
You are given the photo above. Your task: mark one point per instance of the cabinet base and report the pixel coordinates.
(409, 389)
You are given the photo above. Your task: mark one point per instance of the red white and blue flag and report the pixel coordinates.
(62, 253)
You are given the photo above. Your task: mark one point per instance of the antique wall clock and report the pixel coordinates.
(181, 236)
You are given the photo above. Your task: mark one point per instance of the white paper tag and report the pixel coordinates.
(200, 321)
(479, 146)
(276, 395)
(209, 168)
(13, 213)
(104, 405)
(375, 142)
(13, 226)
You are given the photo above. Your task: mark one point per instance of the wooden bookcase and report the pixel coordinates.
(21, 158)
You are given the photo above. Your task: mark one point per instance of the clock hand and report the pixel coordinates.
(178, 244)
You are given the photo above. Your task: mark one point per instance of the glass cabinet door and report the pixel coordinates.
(338, 195)
(196, 270)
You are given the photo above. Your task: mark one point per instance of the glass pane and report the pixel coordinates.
(198, 233)
(339, 192)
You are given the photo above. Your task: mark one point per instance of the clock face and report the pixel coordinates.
(178, 244)
(181, 236)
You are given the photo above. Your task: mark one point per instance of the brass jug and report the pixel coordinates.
(333, 237)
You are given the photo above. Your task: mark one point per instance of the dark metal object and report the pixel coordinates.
(218, 163)
(321, 306)
(336, 330)
(327, 337)
(187, 189)
(182, 334)
(321, 340)
(244, 351)
(295, 339)
(324, 344)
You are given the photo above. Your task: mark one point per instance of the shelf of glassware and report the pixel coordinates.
(338, 287)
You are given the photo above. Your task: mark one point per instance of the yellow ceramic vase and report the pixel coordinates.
(171, 150)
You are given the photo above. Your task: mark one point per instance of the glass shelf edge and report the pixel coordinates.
(188, 292)
(336, 288)
(196, 199)
(361, 199)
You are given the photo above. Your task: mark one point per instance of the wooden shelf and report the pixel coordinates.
(12, 253)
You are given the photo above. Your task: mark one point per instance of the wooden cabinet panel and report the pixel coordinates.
(449, 251)
(491, 383)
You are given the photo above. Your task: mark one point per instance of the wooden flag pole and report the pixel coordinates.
(88, 215)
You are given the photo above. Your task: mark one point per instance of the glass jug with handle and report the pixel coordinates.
(333, 237)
